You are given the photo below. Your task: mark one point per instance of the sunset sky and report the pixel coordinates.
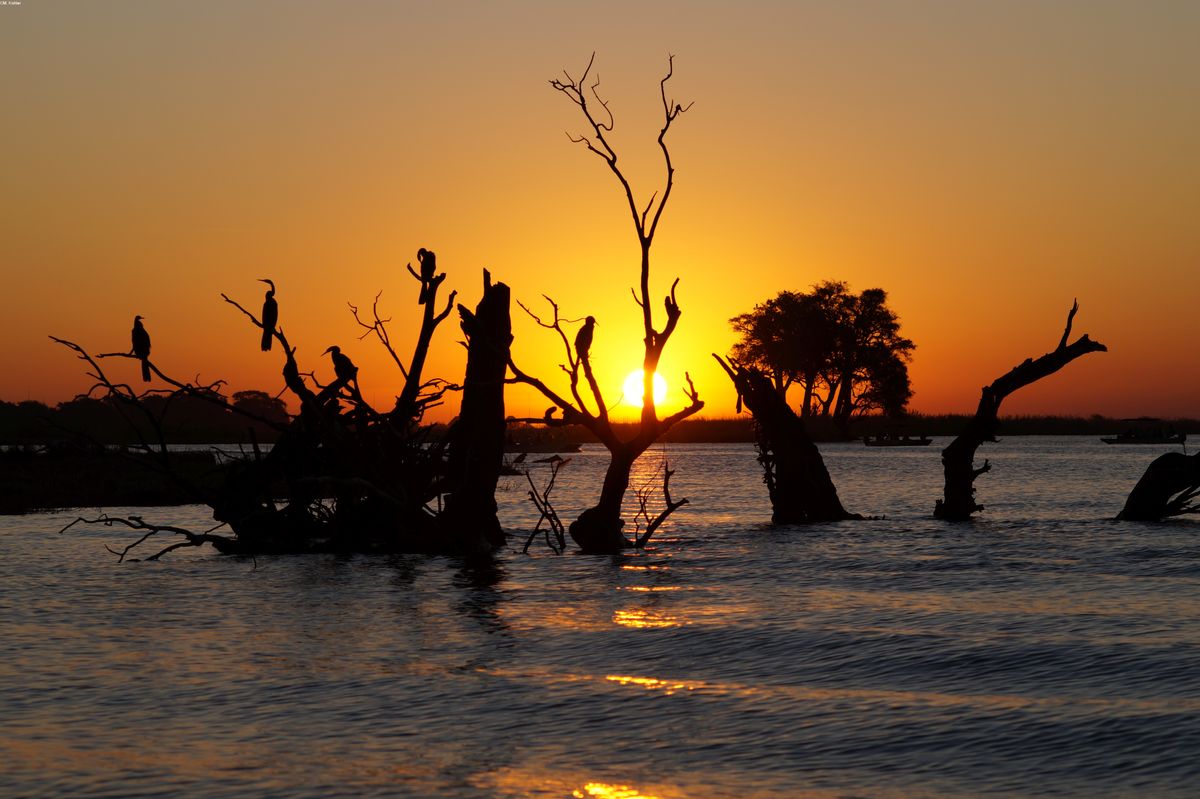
(985, 164)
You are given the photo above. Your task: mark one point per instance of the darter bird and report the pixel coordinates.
(141, 346)
(428, 267)
(270, 315)
(343, 367)
(583, 339)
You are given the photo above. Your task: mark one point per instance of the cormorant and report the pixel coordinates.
(428, 267)
(583, 339)
(141, 346)
(343, 367)
(270, 315)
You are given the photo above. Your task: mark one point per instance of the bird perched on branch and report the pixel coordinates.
(270, 315)
(583, 339)
(343, 367)
(428, 268)
(141, 346)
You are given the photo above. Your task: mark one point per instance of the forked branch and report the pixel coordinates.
(191, 539)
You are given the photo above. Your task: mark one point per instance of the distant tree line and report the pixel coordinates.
(184, 420)
(190, 421)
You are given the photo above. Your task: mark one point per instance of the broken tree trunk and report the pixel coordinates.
(599, 529)
(1168, 488)
(476, 450)
(799, 484)
(958, 459)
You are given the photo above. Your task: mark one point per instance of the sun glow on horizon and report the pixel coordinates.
(632, 389)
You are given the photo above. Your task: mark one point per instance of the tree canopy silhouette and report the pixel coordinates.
(843, 350)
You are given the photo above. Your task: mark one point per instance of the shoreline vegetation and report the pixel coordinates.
(44, 465)
(89, 422)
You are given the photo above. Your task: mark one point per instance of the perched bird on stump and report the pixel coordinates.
(343, 367)
(270, 315)
(141, 346)
(583, 339)
(428, 267)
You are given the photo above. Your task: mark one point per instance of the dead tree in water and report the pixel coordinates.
(599, 528)
(476, 448)
(1168, 488)
(958, 459)
(345, 477)
(799, 485)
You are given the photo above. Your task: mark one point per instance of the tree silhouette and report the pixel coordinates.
(342, 475)
(599, 528)
(844, 350)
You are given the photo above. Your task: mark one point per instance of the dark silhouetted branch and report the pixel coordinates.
(958, 500)
(191, 539)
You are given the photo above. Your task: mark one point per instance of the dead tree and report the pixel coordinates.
(797, 481)
(958, 459)
(599, 528)
(1168, 488)
(346, 477)
(476, 448)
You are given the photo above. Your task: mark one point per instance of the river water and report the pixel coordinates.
(1043, 650)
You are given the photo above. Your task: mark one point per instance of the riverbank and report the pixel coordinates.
(58, 477)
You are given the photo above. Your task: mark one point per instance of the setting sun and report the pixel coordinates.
(632, 389)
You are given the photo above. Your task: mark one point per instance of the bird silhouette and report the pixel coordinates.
(428, 267)
(270, 315)
(141, 346)
(343, 367)
(583, 339)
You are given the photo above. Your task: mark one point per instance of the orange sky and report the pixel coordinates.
(985, 165)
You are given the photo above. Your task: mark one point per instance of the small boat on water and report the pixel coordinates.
(1146, 437)
(1147, 430)
(890, 440)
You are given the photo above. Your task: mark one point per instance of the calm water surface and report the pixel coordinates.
(1043, 650)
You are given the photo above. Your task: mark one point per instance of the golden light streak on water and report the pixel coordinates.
(603, 790)
(652, 684)
(644, 619)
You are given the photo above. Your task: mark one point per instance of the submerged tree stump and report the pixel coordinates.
(958, 459)
(476, 451)
(797, 481)
(1168, 488)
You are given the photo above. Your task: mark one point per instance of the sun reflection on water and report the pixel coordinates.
(603, 790)
(644, 619)
(668, 687)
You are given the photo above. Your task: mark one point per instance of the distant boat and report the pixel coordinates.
(1147, 430)
(889, 440)
(1146, 437)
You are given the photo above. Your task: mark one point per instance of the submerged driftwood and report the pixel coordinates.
(797, 481)
(357, 480)
(343, 476)
(1169, 487)
(958, 459)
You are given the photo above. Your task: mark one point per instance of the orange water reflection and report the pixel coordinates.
(645, 618)
(668, 687)
(603, 790)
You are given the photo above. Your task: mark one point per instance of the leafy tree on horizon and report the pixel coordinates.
(844, 350)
